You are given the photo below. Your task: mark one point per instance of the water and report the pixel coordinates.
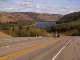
(45, 24)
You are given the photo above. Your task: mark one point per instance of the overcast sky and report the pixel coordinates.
(40, 6)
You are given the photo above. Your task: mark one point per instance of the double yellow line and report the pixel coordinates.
(26, 50)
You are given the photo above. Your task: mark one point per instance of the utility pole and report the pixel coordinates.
(57, 28)
(56, 31)
(10, 31)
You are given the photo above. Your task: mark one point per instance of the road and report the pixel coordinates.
(40, 48)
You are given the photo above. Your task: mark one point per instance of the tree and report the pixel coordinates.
(20, 27)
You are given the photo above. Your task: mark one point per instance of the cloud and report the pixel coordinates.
(38, 6)
(26, 0)
(32, 6)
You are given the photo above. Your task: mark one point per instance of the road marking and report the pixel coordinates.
(61, 50)
(7, 46)
(27, 50)
(69, 41)
(23, 43)
(58, 53)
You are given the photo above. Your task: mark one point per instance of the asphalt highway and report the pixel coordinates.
(40, 48)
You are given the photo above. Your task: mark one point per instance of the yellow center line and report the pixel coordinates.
(26, 50)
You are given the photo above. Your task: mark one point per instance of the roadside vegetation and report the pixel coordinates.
(18, 30)
(69, 25)
(29, 31)
(22, 31)
(71, 28)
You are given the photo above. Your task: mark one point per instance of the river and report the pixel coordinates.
(45, 24)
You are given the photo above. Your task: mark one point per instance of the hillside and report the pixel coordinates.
(68, 25)
(19, 16)
(71, 28)
(3, 35)
(70, 17)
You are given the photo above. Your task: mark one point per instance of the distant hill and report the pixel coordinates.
(16, 16)
(70, 17)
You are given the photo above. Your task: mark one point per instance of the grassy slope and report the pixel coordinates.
(20, 16)
(69, 17)
(5, 19)
(3, 34)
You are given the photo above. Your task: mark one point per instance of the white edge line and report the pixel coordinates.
(69, 42)
(60, 51)
(7, 46)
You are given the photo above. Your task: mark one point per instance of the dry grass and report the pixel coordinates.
(3, 35)
(5, 19)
